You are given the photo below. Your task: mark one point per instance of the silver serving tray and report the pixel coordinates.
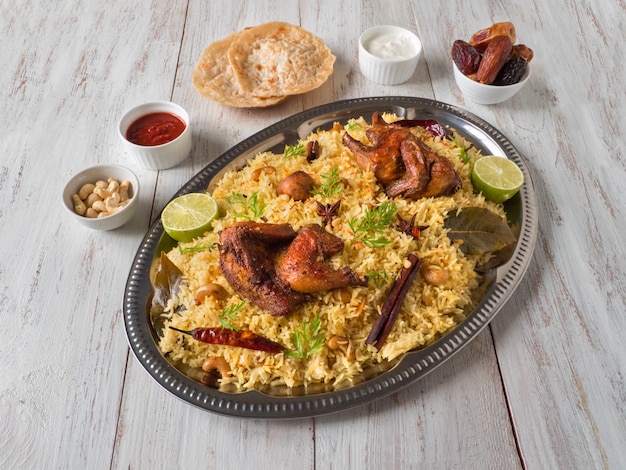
(499, 283)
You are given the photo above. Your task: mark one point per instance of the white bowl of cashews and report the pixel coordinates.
(102, 197)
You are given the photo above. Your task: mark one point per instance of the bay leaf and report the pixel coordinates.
(167, 280)
(480, 230)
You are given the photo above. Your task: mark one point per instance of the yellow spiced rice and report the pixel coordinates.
(347, 316)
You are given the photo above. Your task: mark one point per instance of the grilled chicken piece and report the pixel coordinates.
(276, 268)
(247, 253)
(402, 163)
(427, 174)
(301, 264)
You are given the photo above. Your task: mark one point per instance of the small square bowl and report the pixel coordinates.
(102, 173)
(388, 54)
(487, 94)
(163, 156)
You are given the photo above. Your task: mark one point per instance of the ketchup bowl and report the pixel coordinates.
(157, 134)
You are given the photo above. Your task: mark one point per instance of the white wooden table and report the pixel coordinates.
(543, 387)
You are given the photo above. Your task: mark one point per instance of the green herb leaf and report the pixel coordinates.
(378, 278)
(464, 156)
(293, 151)
(330, 184)
(196, 248)
(229, 314)
(308, 339)
(353, 125)
(251, 204)
(369, 229)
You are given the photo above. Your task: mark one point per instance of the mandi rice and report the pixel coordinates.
(346, 315)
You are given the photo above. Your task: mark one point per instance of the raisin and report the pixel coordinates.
(511, 72)
(466, 57)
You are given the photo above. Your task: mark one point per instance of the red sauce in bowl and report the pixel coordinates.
(155, 129)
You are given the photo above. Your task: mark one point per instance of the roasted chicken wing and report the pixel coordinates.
(402, 163)
(276, 268)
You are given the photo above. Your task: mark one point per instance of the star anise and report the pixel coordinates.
(327, 211)
(409, 227)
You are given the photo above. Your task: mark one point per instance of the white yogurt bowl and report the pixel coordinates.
(102, 173)
(163, 156)
(487, 94)
(388, 54)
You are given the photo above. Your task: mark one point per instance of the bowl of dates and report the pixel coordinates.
(491, 67)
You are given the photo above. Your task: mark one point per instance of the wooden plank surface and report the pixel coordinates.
(543, 387)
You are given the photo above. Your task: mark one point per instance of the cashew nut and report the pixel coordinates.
(113, 187)
(266, 170)
(79, 206)
(124, 190)
(99, 206)
(216, 363)
(342, 344)
(86, 190)
(91, 198)
(91, 213)
(434, 275)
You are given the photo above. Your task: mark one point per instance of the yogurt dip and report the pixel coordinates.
(391, 46)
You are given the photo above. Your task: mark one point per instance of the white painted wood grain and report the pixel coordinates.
(542, 388)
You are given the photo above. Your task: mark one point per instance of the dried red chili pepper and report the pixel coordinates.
(228, 337)
(432, 126)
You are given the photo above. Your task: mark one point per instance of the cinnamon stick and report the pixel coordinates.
(393, 303)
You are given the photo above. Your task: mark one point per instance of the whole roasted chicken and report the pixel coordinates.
(277, 268)
(402, 163)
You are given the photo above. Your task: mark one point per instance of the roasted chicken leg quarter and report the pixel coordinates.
(301, 263)
(247, 252)
(276, 268)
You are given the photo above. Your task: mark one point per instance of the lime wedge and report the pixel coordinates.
(498, 178)
(189, 216)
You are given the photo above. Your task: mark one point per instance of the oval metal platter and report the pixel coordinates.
(499, 283)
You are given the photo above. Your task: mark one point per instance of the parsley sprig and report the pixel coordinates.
(307, 340)
(293, 151)
(369, 229)
(229, 314)
(330, 184)
(249, 204)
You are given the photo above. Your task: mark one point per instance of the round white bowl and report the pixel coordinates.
(157, 157)
(91, 175)
(379, 67)
(487, 94)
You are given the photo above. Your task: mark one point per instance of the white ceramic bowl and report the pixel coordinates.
(91, 175)
(388, 55)
(487, 94)
(157, 157)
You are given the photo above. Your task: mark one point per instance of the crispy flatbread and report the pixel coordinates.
(279, 59)
(262, 66)
(214, 79)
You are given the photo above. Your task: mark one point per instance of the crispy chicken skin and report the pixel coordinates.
(276, 268)
(301, 264)
(402, 163)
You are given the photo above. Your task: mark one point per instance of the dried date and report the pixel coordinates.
(466, 57)
(511, 72)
